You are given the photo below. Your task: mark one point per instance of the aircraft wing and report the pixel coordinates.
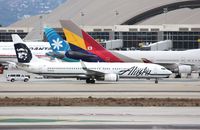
(165, 64)
(90, 71)
(172, 66)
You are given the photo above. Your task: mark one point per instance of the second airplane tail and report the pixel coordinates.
(80, 41)
(57, 43)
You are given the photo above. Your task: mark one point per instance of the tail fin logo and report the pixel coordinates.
(57, 43)
(89, 48)
(23, 53)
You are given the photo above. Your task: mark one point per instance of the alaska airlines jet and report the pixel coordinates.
(86, 70)
(177, 61)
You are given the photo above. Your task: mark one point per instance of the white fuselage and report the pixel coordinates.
(188, 57)
(74, 69)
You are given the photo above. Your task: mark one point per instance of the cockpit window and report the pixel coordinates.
(163, 68)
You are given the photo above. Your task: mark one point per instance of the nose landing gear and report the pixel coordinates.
(156, 81)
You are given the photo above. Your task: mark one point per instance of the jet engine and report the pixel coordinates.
(184, 69)
(81, 56)
(111, 77)
(56, 55)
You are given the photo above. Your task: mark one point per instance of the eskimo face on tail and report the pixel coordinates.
(23, 53)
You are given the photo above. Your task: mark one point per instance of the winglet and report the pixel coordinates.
(83, 65)
(16, 38)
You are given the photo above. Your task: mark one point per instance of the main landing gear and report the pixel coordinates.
(156, 80)
(90, 81)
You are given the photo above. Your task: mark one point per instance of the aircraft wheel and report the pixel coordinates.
(92, 81)
(87, 81)
(156, 81)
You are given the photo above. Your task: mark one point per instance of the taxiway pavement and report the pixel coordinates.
(100, 117)
(71, 88)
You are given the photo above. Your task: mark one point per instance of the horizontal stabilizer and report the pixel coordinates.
(16, 38)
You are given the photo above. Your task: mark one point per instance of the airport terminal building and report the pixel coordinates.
(133, 21)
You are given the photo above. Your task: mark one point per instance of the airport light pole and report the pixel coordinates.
(116, 23)
(116, 14)
(41, 26)
(165, 11)
(82, 16)
(114, 27)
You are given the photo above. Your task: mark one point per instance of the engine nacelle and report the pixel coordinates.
(56, 55)
(184, 69)
(82, 77)
(81, 56)
(111, 77)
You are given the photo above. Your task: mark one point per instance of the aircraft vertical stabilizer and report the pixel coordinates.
(24, 55)
(16, 38)
(80, 41)
(57, 43)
